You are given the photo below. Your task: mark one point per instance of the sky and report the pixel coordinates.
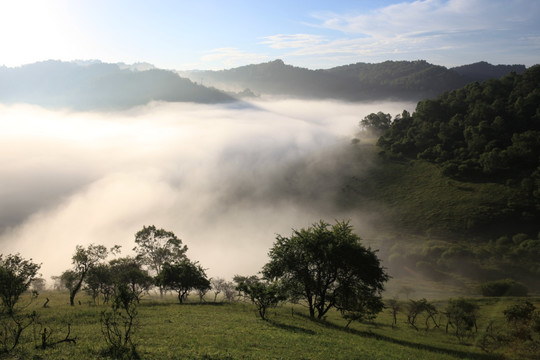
(215, 34)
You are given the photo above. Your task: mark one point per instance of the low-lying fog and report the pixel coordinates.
(224, 179)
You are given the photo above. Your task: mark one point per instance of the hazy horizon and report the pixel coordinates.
(214, 35)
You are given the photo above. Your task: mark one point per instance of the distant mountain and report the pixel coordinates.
(96, 85)
(401, 80)
(87, 85)
(482, 71)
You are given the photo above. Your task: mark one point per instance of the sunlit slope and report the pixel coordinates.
(413, 196)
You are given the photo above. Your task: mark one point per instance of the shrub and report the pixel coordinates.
(506, 287)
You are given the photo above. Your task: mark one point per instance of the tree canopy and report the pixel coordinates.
(16, 275)
(327, 266)
(83, 261)
(156, 247)
(183, 277)
(482, 132)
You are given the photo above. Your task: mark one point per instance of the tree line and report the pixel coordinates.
(483, 131)
(321, 267)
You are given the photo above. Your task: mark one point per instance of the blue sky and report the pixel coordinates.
(218, 34)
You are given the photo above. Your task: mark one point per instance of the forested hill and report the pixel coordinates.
(401, 80)
(97, 85)
(458, 182)
(485, 133)
(482, 70)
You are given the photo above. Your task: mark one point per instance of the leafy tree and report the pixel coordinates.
(354, 306)
(16, 276)
(83, 260)
(419, 307)
(505, 287)
(519, 316)
(262, 293)
(128, 271)
(521, 335)
(67, 280)
(461, 314)
(155, 247)
(376, 123)
(99, 281)
(182, 277)
(326, 265)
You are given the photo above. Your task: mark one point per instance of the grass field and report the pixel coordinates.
(168, 330)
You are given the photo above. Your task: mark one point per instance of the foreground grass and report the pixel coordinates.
(168, 330)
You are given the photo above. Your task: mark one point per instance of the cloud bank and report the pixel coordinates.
(225, 179)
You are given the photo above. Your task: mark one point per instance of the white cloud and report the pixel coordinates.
(232, 57)
(284, 41)
(454, 31)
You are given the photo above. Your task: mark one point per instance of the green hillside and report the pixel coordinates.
(232, 330)
(457, 184)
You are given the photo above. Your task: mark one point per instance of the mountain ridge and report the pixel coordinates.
(96, 85)
(400, 80)
(92, 84)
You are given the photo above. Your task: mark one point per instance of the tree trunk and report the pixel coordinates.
(74, 291)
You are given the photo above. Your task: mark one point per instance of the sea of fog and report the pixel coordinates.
(224, 178)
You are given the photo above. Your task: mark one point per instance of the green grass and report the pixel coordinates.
(168, 330)
(418, 199)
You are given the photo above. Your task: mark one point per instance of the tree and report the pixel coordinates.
(418, 307)
(217, 286)
(263, 294)
(461, 314)
(38, 284)
(155, 247)
(377, 123)
(16, 276)
(99, 281)
(119, 324)
(83, 260)
(395, 307)
(325, 265)
(128, 271)
(182, 278)
(505, 287)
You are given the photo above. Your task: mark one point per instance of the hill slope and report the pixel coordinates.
(459, 183)
(403, 80)
(98, 85)
(482, 71)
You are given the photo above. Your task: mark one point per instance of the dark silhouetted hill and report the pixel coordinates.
(482, 71)
(398, 80)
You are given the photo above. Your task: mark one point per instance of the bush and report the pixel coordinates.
(506, 287)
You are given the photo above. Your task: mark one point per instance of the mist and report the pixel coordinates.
(224, 178)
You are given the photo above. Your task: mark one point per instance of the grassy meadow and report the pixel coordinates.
(222, 330)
